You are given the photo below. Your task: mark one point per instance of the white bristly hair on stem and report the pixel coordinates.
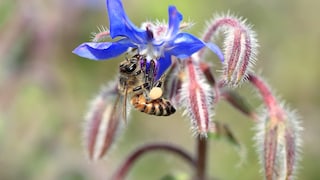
(102, 34)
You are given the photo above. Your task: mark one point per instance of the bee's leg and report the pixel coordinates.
(150, 71)
(142, 89)
(144, 68)
(156, 91)
(159, 84)
(138, 72)
(138, 89)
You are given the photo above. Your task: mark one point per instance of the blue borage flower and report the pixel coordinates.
(159, 46)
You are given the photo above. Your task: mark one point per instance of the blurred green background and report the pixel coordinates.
(45, 89)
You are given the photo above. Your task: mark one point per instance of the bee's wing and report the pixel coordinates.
(103, 121)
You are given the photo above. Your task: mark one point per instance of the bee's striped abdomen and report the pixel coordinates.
(157, 107)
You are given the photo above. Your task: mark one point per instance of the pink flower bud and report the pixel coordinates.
(278, 136)
(197, 98)
(278, 140)
(240, 46)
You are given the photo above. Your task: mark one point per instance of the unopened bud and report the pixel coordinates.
(278, 135)
(279, 143)
(197, 97)
(240, 46)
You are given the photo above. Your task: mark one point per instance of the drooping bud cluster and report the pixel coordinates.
(167, 70)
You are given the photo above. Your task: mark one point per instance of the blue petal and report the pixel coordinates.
(184, 45)
(175, 17)
(163, 64)
(103, 50)
(120, 24)
(214, 48)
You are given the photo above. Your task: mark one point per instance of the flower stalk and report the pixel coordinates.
(202, 150)
(123, 170)
(269, 100)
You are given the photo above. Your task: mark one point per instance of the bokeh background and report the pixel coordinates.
(45, 89)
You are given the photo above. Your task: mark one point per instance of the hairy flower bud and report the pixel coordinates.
(278, 141)
(102, 122)
(278, 136)
(240, 46)
(197, 97)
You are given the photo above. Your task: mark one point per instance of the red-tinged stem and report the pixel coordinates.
(205, 68)
(268, 98)
(201, 158)
(125, 167)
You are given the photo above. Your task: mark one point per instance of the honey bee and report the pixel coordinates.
(137, 81)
